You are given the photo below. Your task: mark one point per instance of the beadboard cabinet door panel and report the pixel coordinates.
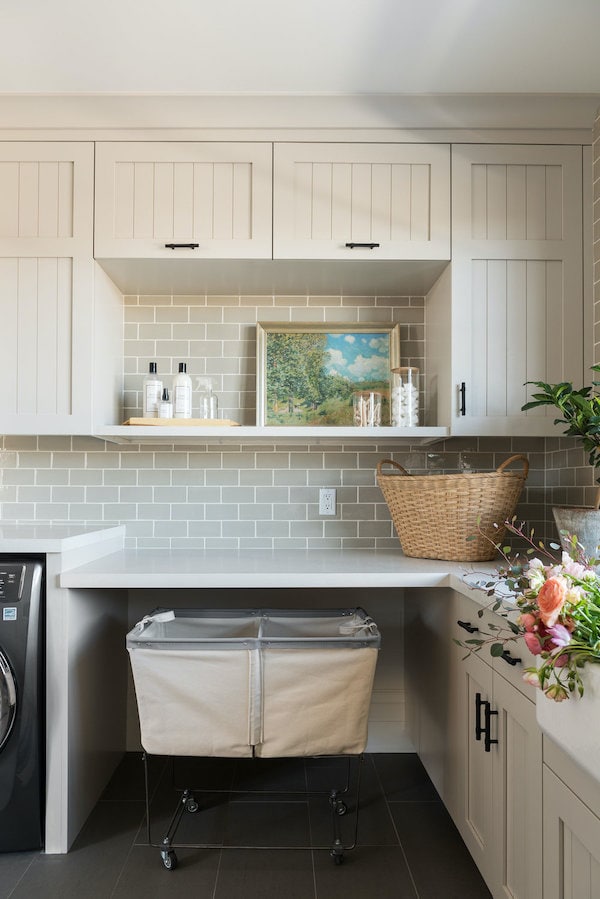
(517, 283)
(571, 843)
(46, 287)
(517, 802)
(47, 198)
(476, 823)
(217, 195)
(46, 345)
(326, 196)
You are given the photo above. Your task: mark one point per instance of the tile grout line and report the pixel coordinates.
(217, 872)
(310, 833)
(387, 805)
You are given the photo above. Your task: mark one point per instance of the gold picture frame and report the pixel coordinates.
(306, 373)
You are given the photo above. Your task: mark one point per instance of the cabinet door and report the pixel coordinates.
(476, 814)
(216, 195)
(517, 801)
(517, 305)
(571, 843)
(46, 287)
(327, 196)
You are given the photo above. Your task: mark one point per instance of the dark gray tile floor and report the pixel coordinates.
(408, 847)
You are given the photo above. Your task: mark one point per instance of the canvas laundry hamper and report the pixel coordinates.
(260, 682)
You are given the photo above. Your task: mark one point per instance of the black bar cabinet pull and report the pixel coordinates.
(467, 626)
(488, 712)
(463, 402)
(362, 246)
(479, 702)
(182, 246)
(510, 660)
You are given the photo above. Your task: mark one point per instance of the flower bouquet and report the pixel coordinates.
(553, 604)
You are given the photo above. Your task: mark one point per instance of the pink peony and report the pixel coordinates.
(551, 599)
(528, 621)
(533, 643)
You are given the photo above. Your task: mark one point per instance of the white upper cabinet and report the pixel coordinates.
(46, 286)
(333, 201)
(216, 196)
(517, 283)
(46, 190)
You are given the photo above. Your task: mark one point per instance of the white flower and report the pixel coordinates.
(573, 568)
(574, 594)
(531, 677)
(535, 574)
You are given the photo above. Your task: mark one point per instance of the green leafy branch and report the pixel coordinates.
(580, 412)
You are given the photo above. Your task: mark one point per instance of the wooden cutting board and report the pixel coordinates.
(183, 422)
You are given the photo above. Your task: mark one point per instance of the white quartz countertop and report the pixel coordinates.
(51, 538)
(266, 568)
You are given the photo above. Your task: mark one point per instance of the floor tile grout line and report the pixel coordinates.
(402, 849)
(31, 862)
(126, 860)
(310, 833)
(217, 872)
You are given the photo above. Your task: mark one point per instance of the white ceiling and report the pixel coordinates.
(300, 46)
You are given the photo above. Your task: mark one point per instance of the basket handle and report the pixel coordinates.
(516, 458)
(391, 462)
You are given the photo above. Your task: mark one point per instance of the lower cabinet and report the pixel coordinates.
(500, 756)
(477, 736)
(571, 830)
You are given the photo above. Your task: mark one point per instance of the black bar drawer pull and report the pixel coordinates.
(463, 401)
(362, 246)
(488, 712)
(510, 660)
(479, 703)
(467, 626)
(182, 246)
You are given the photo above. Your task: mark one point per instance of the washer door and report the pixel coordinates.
(8, 699)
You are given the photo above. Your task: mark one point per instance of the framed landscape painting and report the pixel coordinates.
(307, 373)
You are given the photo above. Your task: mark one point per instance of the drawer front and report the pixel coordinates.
(517, 658)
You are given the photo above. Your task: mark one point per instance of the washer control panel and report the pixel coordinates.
(12, 578)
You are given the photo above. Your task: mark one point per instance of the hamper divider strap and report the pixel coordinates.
(395, 465)
(516, 458)
(255, 697)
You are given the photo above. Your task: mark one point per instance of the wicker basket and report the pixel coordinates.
(436, 516)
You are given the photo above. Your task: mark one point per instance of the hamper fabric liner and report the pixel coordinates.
(268, 683)
(449, 516)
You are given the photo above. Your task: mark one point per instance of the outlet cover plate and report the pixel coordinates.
(327, 501)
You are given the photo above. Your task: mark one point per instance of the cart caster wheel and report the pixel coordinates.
(341, 808)
(337, 857)
(169, 859)
(191, 806)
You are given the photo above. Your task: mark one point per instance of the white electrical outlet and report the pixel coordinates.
(327, 501)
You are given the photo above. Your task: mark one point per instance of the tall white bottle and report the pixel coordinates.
(182, 393)
(152, 391)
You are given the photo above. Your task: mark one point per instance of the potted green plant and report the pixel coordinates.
(580, 412)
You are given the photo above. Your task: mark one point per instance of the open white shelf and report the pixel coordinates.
(251, 434)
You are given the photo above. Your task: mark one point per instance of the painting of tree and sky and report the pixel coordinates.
(311, 375)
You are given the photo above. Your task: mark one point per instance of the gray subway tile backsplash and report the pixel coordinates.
(252, 496)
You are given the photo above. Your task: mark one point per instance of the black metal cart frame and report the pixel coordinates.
(188, 803)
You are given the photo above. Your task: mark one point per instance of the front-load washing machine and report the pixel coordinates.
(21, 703)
